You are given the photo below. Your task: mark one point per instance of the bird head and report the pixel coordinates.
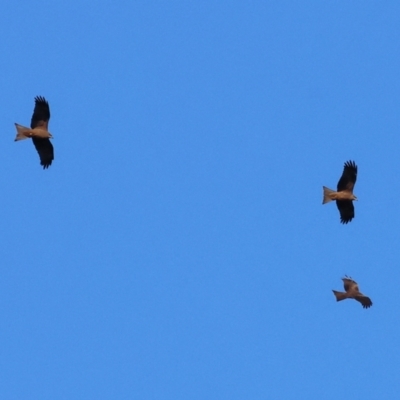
(354, 197)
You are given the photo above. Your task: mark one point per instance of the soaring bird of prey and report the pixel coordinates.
(39, 132)
(344, 195)
(352, 292)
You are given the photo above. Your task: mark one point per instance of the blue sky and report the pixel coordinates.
(177, 248)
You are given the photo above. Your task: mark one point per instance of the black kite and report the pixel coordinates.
(344, 195)
(352, 292)
(39, 132)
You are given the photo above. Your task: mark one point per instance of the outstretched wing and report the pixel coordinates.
(364, 300)
(348, 178)
(346, 210)
(45, 150)
(349, 284)
(41, 113)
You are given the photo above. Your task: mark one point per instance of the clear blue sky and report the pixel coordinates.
(177, 248)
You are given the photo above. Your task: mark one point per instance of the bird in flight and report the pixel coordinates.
(352, 292)
(39, 132)
(344, 195)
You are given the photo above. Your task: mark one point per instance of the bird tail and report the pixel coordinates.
(327, 195)
(339, 295)
(22, 132)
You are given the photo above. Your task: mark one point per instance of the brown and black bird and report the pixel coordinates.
(39, 132)
(352, 292)
(344, 195)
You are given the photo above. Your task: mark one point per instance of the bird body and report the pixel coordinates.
(330, 195)
(25, 133)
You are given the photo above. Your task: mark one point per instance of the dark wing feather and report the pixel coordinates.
(45, 150)
(348, 178)
(349, 284)
(364, 300)
(41, 113)
(346, 209)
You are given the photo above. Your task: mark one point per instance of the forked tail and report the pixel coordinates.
(22, 132)
(328, 195)
(339, 295)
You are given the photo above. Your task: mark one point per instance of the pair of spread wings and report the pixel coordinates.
(346, 183)
(351, 287)
(40, 119)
